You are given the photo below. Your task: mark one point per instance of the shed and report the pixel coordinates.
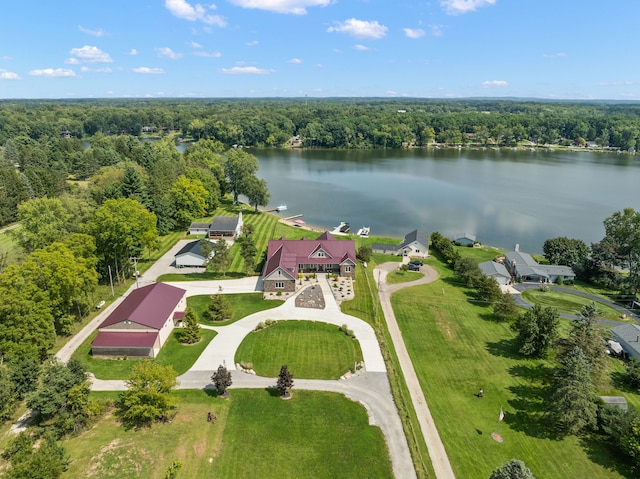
(191, 255)
(496, 271)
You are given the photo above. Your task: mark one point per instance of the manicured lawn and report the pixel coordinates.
(456, 349)
(256, 435)
(398, 276)
(567, 303)
(481, 254)
(180, 356)
(242, 305)
(311, 350)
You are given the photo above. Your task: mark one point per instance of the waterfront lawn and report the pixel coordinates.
(455, 351)
(567, 303)
(481, 254)
(180, 356)
(242, 305)
(312, 350)
(256, 434)
(398, 276)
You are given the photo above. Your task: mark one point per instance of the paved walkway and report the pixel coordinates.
(439, 459)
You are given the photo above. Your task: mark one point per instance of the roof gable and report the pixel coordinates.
(148, 306)
(192, 247)
(224, 223)
(415, 235)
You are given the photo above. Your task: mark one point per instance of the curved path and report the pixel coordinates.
(370, 387)
(439, 459)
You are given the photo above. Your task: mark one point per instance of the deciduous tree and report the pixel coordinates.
(221, 257)
(257, 192)
(43, 221)
(537, 329)
(239, 168)
(188, 200)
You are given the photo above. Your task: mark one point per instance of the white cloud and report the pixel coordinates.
(168, 53)
(296, 7)
(252, 43)
(457, 7)
(72, 61)
(194, 44)
(361, 48)
(295, 60)
(5, 75)
(414, 32)
(96, 33)
(246, 71)
(494, 83)
(186, 11)
(616, 83)
(91, 54)
(554, 55)
(436, 30)
(208, 54)
(133, 52)
(53, 73)
(6, 58)
(360, 28)
(95, 70)
(149, 71)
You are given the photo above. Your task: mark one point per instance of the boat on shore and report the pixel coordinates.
(364, 231)
(342, 229)
(282, 207)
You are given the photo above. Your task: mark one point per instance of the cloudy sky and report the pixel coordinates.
(572, 49)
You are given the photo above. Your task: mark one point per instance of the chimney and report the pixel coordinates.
(517, 248)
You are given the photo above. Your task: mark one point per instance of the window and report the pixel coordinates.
(320, 254)
(347, 269)
(279, 284)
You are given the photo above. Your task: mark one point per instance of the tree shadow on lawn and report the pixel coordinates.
(619, 381)
(529, 417)
(600, 451)
(505, 348)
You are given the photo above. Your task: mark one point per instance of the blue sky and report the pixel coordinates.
(553, 49)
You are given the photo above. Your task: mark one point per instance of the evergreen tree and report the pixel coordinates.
(133, 186)
(506, 308)
(191, 333)
(222, 380)
(285, 381)
(514, 469)
(219, 309)
(248, 252)
(572, 405)
(586, 335)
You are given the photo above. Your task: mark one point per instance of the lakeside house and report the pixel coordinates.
(464, 239)
(497, 271)
(191, 255)
(414, 244)
(141, 324)
(286, 259)
(628, 335)
(219, 227)
(524, 268)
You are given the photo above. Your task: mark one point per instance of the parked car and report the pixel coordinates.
(416, 262)
(414, 267)
(100, 304)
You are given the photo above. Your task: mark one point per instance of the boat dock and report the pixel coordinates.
(292, 217)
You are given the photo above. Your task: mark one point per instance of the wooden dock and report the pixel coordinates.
(292, 217)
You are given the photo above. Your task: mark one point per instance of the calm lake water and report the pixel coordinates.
(502, 197)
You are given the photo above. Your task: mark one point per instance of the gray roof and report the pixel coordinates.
(617, 401)
(467, 236)
(191, 247)
(224, 223)
(520, 258)
(385, 246)
(527, 266)
(629, 334)
(491, 268)
(415, 235)
(199, 225)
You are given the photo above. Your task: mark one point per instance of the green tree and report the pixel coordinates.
(285, 381)
(221, 257)
(222, 380)
(191, 333)
(257, 192)
(133, 185)
(148, 397)
(467, 271)
(239, 168)
(586, 335)
(537, 329)
(206, 248)
(43, 221)
(219, 309)
(505, 309)
(571, 403)
(248, 252)
(632, 373)
(8, 393)
(47, 461)
(487, 289)
(622, 232)
(566, 251)
(630, 440)
(188, 200)
(364, 253)
(514, 469)
(122, 228)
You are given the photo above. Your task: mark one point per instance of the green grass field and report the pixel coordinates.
(457, 348)
(180, 356)
(315, 434)
(242, 305)
(398, 276)
(567, 303)
(311, 350)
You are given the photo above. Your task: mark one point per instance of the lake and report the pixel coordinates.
(503, 197)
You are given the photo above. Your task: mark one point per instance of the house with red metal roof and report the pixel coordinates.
(141, 324)
(286, 259)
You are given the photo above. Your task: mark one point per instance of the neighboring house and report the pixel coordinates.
(524, 268)
(219, 227)
(628, 335)
(141, 324)
(191, 255)
(496, 271)
(414, 244)
(287, 258)
(464, 239)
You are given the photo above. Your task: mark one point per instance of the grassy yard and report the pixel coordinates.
(315, 434)
(567, 303)
(242, 305)
(9, 246)
(180, 356)
(311, 350)
(456, 349)
(398, 276)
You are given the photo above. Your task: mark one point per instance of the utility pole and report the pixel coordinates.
(111, 281)
(378, 299)
(135, 272)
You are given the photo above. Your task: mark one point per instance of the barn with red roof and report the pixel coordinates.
(286, 259)
(141, 324)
